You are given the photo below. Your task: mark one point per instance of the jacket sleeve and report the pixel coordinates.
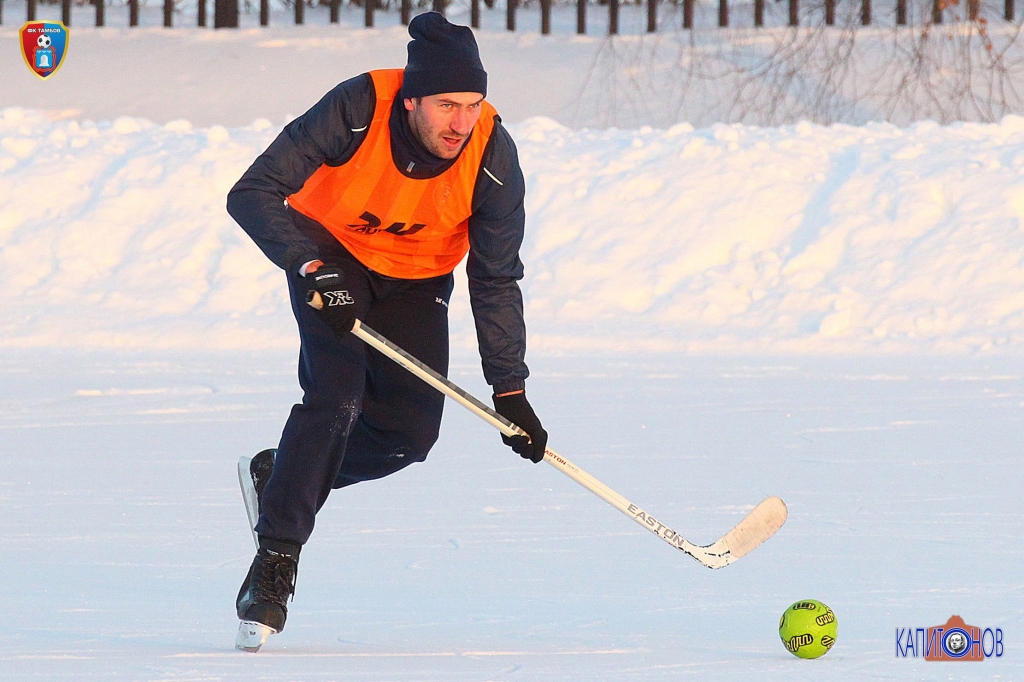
(330, 132)
(494, 269)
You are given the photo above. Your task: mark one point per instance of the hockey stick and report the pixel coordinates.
(756, 527)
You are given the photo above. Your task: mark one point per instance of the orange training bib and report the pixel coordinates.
(395, 225)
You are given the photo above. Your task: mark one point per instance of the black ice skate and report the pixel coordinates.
(253, 474)
(262, 602)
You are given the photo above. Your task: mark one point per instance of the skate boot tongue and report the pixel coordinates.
(276, 582)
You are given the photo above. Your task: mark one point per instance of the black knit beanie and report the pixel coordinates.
(443, 57)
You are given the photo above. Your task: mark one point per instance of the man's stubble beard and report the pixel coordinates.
(420, 129)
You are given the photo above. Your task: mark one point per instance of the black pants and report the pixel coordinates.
(362, 416)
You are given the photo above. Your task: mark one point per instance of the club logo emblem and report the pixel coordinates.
(44, 45)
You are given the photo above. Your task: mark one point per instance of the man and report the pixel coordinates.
(372, 198)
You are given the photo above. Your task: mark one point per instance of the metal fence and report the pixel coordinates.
(226, 12)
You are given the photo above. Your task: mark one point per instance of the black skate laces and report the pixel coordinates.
(276, 580)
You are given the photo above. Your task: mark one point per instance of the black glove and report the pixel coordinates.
(339, 308)
(516, 408)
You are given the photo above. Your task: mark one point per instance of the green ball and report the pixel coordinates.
(808, 629)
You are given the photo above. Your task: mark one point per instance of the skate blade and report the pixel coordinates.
(251, 636)
(249, 497)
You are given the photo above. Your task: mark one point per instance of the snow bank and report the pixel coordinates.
(116, 235)
(803, 239)
(799, 239)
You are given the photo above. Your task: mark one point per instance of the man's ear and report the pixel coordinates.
(410, 104)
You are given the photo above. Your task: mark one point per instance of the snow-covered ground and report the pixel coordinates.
(717, 314)
(124, 537)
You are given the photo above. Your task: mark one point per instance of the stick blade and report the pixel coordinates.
(759, 525)
(249, 496)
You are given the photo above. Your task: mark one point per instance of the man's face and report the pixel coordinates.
(442, 123)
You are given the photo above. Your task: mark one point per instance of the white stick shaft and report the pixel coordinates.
(372, 338)
(478, 408)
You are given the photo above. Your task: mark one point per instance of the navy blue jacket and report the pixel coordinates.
(331, 132)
